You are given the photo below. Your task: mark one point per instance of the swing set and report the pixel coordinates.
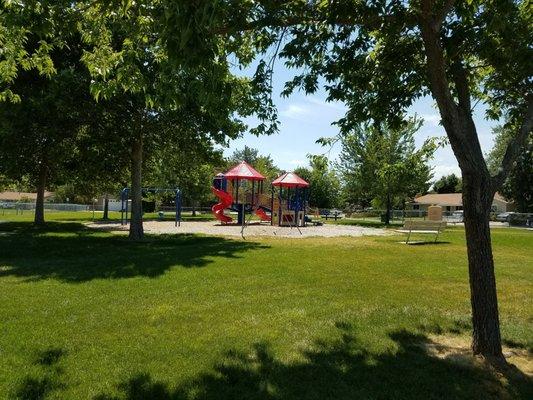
(125, 197)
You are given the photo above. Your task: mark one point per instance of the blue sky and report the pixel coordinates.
(304, 119)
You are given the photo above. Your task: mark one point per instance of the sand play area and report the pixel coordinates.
(214, 228)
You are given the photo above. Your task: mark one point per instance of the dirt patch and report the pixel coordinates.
(457, 349)
(215, 228)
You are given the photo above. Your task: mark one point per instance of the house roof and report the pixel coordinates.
(448, 199)
(18, 196)
(244, 171)
(289, 179)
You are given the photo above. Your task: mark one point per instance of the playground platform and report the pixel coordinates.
(215, 228)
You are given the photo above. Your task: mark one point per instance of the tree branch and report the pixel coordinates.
(514, 146)
(461, 86)
(440, 16)
(368, 20)
(456, 119)
(436, 70)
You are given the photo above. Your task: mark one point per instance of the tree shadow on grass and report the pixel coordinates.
(47, 380)
(341, 369)
(72, 252)
(426, 243)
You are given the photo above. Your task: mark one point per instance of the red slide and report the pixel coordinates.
(262, 214)
(225, 201)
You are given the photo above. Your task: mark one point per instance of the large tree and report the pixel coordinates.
(378, 57)
(383, 164)
(135, 49)
(39, 133)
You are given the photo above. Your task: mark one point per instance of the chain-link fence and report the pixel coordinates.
(512, 219)
(21, 208)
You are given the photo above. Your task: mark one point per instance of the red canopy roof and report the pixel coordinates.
(289, 179)
(244, 171)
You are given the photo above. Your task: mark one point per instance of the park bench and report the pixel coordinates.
(312, 221)
(422, 227)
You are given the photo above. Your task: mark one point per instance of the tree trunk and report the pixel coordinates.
(39, 203)
(194, 209)
(478, 188)
(477, 201)
(387, 212)
(136, 220)
(105, 217)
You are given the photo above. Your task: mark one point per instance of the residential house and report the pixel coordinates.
(454, 201)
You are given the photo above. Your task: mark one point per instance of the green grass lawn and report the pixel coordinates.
(51, 215)
(368, 222)
(88, 315)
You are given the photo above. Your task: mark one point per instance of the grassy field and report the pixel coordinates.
(369, 222)
(88, 315)
(65, 216)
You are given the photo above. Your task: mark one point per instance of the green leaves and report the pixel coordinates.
(378, 162)
(324, 184)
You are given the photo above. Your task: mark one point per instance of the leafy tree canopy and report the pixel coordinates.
(448, 184)
(263, 163)
(324, 185)
(39, 133)
(382, 164)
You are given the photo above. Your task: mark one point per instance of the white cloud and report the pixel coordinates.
(311, 107)
(322, 103)
(295, 111)
(441, 170)
(431, 119)
(297, 162)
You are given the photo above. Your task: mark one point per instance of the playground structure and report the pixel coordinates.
(290, 206)
(125, 195)
(241, 189)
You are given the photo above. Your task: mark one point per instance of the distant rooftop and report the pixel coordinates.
(18, 196)
(447, 199)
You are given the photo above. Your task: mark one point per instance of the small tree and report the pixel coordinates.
(190, 170)
(519, 184)
(324, 185)
(383, 164)
(448, 184)
(248, 154)
(264, 164)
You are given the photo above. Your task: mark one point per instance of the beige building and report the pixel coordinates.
(454, 201)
